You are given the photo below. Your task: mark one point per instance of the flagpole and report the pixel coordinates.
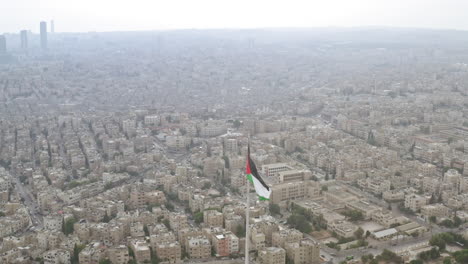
(247, 213)
(247, 238)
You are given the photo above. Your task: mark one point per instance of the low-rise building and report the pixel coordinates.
(213, 218)
(303, 252)
(437, 210)
(169, 251)
(118, 254)
(343, 228)
(225, 244)
(56, 256)
(198, 247)
(414, 202)
(272, 255)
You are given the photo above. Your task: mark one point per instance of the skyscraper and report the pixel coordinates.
(43, 35)
(24, 39)
(2, 44)
(52, 27)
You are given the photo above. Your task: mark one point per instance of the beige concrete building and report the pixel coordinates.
(178, 221)
(294, 190)
(280, 238)
(343, 228)
(258, 239)
(272, 255)
(92, 253)
(291, 176)
(437, 210)
(56, 256)
(272, 170)
(198, 247)
(213, 218)
(169, 251)
(118, 254)
(142, 251)
(304, 252)
(365, 207)
(414, 202)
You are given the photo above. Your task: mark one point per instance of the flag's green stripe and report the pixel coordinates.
(249, 177)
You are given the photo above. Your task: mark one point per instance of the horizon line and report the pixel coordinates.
(247, 29)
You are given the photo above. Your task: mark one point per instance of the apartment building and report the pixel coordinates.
(272, 255)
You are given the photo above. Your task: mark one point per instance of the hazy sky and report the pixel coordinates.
(114, 15)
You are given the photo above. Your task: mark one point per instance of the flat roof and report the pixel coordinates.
(386, 232)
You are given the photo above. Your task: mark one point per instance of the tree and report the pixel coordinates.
(447, 260)
(131, 253)
(167, 224)
(154, 257)
(170, 206)
(366, 258)
(359, 233)
(207, 185)
(368, 233)
(145, 229)
(439, 240)
(388, 256)
(433, 219)
(461, 256)
(274, 209)
(299, 222)
(353, 215)
(430, 254)
(371, 138)
(240, 231)
(76, 252)
(68, 226)
(198, 217)
(447, 223)
(457, 221)
(237, 123)
(105, 261)
(106, 218)
(324, 188)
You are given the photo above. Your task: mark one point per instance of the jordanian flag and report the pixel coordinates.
(261, 188)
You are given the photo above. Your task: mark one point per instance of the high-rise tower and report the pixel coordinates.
(24, 39)
(43, 35)
(2, 44)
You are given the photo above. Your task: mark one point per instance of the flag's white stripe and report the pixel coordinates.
(260, 189)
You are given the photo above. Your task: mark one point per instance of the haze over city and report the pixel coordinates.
(123, 15)
(229, 132)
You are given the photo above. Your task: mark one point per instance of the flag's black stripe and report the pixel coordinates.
(253, 170)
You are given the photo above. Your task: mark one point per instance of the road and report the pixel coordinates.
(29, 201)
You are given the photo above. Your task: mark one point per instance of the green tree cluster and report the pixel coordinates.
(67, 227)
(299, 222)
(274, 209)
(388, 256)
(198, 217)
(442, 239)
(461, 256)
(353, 215)
(430, 254)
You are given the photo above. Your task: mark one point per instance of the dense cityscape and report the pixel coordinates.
(130, 147)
